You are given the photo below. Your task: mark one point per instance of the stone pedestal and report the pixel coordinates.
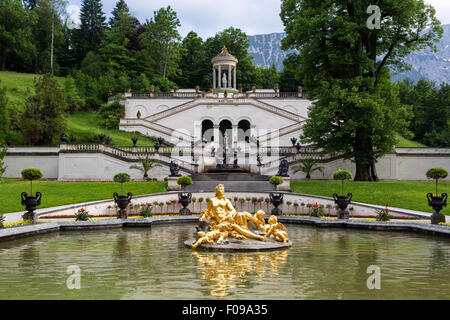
(437, 218)
(343, 214)
(286, 185)
(185, 212)
(277, 211)
(173, 185)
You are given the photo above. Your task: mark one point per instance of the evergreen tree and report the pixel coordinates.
(114, 50)
(121, 6)
(93, 25)
(43, 120)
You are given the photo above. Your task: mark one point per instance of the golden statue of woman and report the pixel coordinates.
(220, 210)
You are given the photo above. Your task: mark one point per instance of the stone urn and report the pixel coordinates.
(30, 203)
(294, 141)
(276, 199)
(343, 202)
(437, 203)
(122, 202)
(185, 199)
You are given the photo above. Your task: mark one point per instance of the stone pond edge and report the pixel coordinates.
(26, 231)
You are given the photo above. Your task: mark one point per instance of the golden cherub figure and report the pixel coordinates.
(258, 220)
(220, 233)
(277, 229)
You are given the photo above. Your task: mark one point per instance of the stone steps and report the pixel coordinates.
(235, 186)
(222, 177)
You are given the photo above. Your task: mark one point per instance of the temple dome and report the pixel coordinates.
(224, 55)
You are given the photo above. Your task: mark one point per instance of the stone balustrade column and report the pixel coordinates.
(220, 77)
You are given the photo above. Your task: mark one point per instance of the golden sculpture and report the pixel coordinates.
(224, 49)
(225, 221)
(277, 229)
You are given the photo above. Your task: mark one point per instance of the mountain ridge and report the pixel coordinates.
(435, 66)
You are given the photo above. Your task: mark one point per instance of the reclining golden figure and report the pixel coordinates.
(224, 221)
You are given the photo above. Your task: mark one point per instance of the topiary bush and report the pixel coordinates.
(184, 181)
(31, 174)
(342, 175)
(275, 181)
(437, 173)
(122, 178)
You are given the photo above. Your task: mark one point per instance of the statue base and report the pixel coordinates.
(172, 184)
(343, 215)
(437, 218)
(277, 212)
(185, 212)
(246, 245)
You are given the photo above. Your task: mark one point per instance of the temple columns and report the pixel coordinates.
(220, 77)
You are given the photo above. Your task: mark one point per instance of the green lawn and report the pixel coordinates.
(61, 193)
(401, 194)
(83, 126)
(17, 85)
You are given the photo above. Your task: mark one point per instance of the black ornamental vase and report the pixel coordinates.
(185, 199)
(343, 202)
(30, 203)
(276, 199)
(122, 202)
(437, 203)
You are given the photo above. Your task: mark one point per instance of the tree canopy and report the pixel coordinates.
(344, 66)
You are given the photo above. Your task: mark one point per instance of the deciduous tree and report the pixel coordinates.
(344, 66)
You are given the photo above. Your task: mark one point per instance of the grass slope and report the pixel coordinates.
(83, 126)
(403, 142)
(401, 194)
(56, 193)
(17, 85)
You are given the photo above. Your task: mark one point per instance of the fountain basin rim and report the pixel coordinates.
(19, 232)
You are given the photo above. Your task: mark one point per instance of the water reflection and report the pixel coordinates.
(223, 272)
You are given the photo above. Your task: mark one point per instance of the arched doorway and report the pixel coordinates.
(225, 127)
(243, 130)
(207, 130)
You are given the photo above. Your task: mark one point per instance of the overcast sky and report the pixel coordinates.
(206, 17)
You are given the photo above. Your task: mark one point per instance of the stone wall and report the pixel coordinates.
(405, 164)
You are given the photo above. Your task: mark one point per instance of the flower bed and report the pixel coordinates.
(8, 225)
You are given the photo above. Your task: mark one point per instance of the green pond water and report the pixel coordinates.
(155, 264)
